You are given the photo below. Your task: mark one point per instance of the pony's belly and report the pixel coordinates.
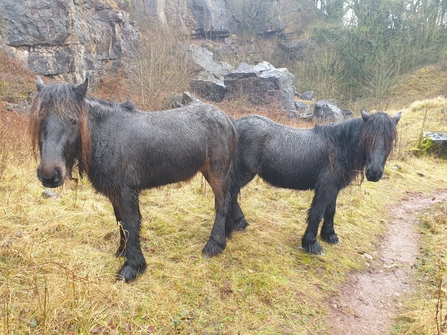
(290, 181)
(162, 175)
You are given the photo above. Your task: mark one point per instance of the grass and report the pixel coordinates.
(57, 266)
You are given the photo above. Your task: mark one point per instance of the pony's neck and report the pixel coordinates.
(344, 145)
(344, 134)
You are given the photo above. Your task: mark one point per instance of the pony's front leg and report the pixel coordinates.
(121, 252)
(321, 200)
(242, 179)
(241, 222)
(135, 263)
(327, 230)
(235, 218)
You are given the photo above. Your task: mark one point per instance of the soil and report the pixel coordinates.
(370, 299)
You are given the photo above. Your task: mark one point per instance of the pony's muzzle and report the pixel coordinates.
(373, 174)
(50, 177)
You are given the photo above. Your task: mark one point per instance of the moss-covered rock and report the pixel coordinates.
(434, 144)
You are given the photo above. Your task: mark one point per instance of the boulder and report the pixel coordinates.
(435, 143)
(211, 90)
(202, 60)
(326, 110)
(209, 85)
(262, 84)
(308, 95)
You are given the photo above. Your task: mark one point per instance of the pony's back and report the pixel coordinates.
(283, 156)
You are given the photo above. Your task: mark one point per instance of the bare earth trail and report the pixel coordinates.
(368, 301)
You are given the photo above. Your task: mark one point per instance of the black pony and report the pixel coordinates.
(325, 159)
(124, 151)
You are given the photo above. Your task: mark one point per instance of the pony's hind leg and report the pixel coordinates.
(217, 240)
(327, 230)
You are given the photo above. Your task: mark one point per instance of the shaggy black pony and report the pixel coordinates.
(124, 151)
(325, 159)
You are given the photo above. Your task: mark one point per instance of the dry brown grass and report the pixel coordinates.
(427, 83)
(16, 82)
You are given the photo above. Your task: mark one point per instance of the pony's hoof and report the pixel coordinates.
(129, 273)
(212, 249)
(332, 238)
(313, 248)
(206, 254)
(241, 225)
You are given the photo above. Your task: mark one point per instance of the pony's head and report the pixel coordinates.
(377, 140)
(59, 131)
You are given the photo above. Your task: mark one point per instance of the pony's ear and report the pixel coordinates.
(365, 115)
(396, 117)
(39, 84)
(82, 89)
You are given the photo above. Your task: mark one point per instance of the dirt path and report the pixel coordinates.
(369, 300)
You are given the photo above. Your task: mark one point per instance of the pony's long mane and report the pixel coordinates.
(65, 101)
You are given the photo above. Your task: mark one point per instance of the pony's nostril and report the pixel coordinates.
(57, 174)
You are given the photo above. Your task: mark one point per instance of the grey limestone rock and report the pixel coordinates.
(262, 84)
(68, 39)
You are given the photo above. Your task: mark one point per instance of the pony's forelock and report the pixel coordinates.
(379, 126)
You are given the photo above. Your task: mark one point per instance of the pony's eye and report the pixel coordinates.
(73, 122)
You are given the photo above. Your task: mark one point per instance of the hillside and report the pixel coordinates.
(425, 83)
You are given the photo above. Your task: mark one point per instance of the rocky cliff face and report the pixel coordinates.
(217, 18)
(72, 39)
(68, 39)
